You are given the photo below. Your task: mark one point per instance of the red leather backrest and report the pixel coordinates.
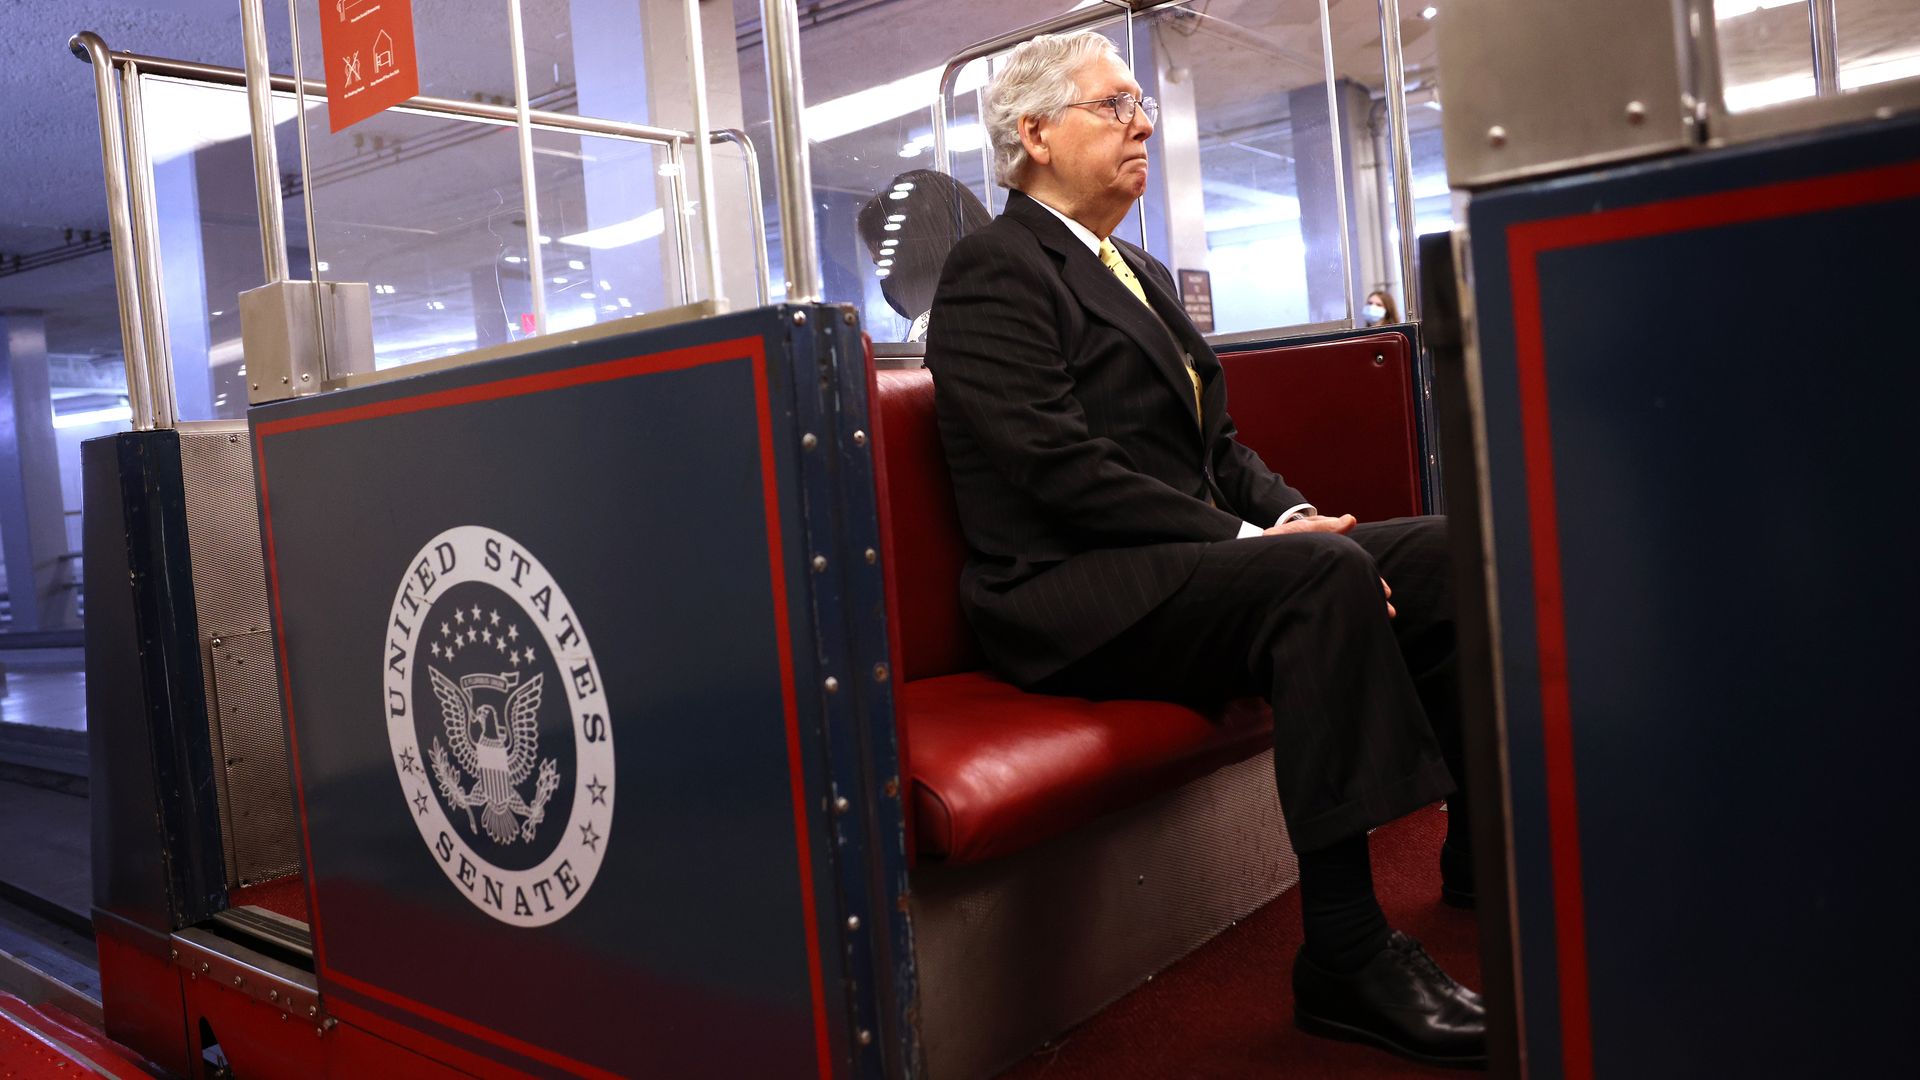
(925, 547)
(1336, 419)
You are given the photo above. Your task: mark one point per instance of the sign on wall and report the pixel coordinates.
(370, 57)
(1196, 295)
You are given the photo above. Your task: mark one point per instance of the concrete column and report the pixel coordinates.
(1315, 180)
(1175, 205)
(33, 528)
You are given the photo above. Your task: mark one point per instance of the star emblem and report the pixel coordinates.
(444, 631)
(500, 644)
(458, 616)
(493, 617)
(472, 634)
(598, 790)
(476, 613)
(515, 657)
(513, 631)
(486, 636)
(589, 837)
(436, 648)
(528, 654)
(420, 801)
(408, 763)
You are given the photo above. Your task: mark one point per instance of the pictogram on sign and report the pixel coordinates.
(370, 57)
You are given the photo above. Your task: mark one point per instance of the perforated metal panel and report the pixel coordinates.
(248, 734)
(1014, 951)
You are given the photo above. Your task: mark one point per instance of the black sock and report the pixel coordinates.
(1344, 926)
(1459, 823)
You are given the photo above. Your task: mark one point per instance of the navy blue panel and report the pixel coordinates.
(1730, 429)
(642, 498)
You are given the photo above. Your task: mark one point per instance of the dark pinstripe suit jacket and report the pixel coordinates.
(1082, 477)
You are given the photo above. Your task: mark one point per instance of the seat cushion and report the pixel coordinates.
(996, 770)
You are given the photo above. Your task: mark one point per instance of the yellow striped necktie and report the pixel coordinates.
(1110, 257)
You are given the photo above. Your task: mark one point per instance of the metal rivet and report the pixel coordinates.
(173, 954)
(313, 1010)
(233, 438)
(879, 673)
(273, 995)
(1636, 112)
(203, 967)
(304, 377)
(872, 556)
(833, 685)
(808, 442)
(319, 1032)
(840, 804)
(1496, 136)
(849, 317)
(859, 438)
(1141, 880)
(284, 380)
(799, 318)
(1379, 359)
(892, 787)
(238, 981)
(256, 386)
(819, 563)
(866, 1037)
(193, 975)
(853, 922)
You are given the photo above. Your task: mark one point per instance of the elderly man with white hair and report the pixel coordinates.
(1125, 544)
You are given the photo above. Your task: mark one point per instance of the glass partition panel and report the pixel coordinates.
(1766, 52)
(609, 207)
(1879, 41)
(200, 149)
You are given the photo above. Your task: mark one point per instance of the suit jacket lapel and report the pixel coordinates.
(1102, 294)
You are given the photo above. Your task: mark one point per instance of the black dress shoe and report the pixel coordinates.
(1456, 877)
(1400, 1001)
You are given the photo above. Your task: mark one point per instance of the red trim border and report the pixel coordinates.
(747, 348)
(1526, 242)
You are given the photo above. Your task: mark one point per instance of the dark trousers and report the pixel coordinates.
(1365, 708)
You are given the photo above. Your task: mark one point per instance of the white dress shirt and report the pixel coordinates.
(1085, 236)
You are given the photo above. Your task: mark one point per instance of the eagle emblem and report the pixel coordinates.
(497, 747)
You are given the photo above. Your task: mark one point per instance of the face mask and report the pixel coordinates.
(1374, 313)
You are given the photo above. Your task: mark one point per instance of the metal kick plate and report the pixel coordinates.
(253, 748)
(1532, 88)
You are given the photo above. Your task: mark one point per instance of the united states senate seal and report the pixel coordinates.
(501, 735)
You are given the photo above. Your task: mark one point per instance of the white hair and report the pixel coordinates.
(1038, 80)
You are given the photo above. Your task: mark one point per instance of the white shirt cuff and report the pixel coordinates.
(1249, 529)
(1295, 512)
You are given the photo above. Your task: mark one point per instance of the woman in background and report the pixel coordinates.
(1380, 308)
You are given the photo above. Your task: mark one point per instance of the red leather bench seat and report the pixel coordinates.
(995, 770)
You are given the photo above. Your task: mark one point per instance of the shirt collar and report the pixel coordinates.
(1081, 232)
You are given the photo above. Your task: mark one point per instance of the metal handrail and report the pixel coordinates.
(762, 270)
(1825, 30)
(1396, 66)
(88, 46)
(266, 165)
(793, 171)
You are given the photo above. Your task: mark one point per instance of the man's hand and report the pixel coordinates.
(1339, 526)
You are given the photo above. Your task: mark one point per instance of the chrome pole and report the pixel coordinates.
(781, 22)
(126, 274)
(682, 231)
(941, 159)
(146, 235)
(986, 148)
(306, 185)
(762, 273)
(1339, 158)
(703, 150)
(1396, 66)
(529, 190)
(1826, 47)
(266, 158)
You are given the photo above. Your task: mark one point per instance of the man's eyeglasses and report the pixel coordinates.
(1124, 106)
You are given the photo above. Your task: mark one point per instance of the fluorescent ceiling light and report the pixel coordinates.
(109, 415)
(1732, 9)
(877, 104)
(185, 117)
(960, 140)
(631, 231)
